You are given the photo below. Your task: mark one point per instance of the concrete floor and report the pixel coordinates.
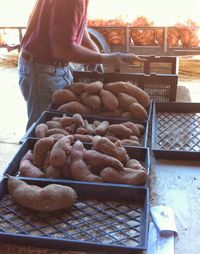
(176, 184)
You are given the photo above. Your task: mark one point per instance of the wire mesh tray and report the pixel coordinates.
(104, 219)
(48, 115)
(176, 130)
(138, 153)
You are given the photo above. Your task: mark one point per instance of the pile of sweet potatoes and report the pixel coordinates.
(65, 158)
(114, 99)
(128, 132)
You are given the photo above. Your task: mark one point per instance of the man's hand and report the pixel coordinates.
(118, 59)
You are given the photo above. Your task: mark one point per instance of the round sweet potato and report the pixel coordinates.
(62, 96)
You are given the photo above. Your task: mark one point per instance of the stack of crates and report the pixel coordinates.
(107, 217)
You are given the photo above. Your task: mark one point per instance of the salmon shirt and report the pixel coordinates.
(60, 21)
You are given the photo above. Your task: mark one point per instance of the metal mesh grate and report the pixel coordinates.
(178, 131)
(93, 221)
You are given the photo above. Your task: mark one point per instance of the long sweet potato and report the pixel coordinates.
(104, 145)
(49, 198)
(41, 148)
(74, 107)
(126, 87)
(119, 130)
(97, 159)
(128, 176)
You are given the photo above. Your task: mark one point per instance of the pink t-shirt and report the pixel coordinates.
(61, 21)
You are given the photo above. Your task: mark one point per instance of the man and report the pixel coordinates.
(56, 35)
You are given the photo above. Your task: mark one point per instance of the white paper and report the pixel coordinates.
(163, 217)
(158, 244)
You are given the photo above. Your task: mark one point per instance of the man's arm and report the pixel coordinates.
(79, 54)
(63, 37)
(88, 42)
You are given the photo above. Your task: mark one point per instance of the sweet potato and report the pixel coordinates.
(119, 130)
(138, 111)
(135, 164)
(26, 167)
(126, 114)
(97, 159)
(89, 127)
(92, 101)
(65, 170)
(141, 128)
(77, 87)
(66, 120)
(129, 142)
(74, 107)
(41, 149)
(52, 172)
(104, 145)
(83, 138)
(54, 131)
(71, 129)
(56, 118)
(109, 100)
(126, 87)
(128, 176)
(125, 100)
(111, 138)
(40, 130)
(94, 87)
(53, 124)
(79, 169)
(134, 138)
(102, 128)
(57, 136)
(60, 151)
(96, 123)
(49, 198)
(133, 127)
(62, 96)
(78, 120)
(82, 131)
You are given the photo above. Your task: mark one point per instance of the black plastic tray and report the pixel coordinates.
(160, 87)
(112, 219)
(138, 153)
(176, 131)
(48, 115)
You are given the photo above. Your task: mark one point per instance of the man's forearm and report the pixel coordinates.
(88, 42)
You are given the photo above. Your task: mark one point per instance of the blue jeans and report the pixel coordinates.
(37, 83)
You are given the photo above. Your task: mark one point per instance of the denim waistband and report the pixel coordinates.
(35, 59)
